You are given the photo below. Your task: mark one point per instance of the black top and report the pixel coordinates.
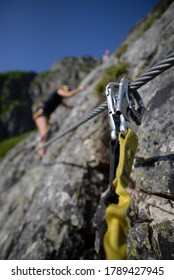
(52, 102)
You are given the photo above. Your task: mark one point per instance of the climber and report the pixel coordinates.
(42, 113)
(106, 56)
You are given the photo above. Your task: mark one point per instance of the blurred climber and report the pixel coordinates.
(106, 56)
(42, 113)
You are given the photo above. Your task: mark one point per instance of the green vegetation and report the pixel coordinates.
(142, 26)
(13, 88)
(47, 74)
(162, 6)
(158, 10)
(113, 74)
(9, 143)
(42, 78)
(85, 68)
(147, 24)
(121, 50)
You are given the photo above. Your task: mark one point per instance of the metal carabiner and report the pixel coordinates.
(125, 107)
(111, 96)
(130, 105)
(123, 104)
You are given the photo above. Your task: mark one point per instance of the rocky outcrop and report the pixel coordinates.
(20, 91)
(47, 207)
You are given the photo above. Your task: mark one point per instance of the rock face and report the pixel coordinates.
(47, 207)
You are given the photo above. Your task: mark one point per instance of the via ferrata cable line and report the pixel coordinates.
(149, 75)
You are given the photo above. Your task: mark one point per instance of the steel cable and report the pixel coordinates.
(153, 72)
(86, 118)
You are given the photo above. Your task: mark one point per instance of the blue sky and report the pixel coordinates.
(37, 33)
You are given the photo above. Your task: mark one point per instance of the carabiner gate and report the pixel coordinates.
(125, 107)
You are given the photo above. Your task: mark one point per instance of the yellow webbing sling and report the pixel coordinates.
(115, 238)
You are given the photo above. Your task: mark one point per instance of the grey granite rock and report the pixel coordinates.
(47, 207)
